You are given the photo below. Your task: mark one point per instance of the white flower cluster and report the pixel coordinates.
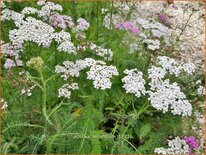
(101, 76)
(176, 146)
(64, 40)
(11, 51)
(99, 72)
(65, 44)
(37, 31)
(134, 82)
(48, 8)
(174, 67)
(8, 14)
(64, 91)
(163, 94)
(201, 90)
(166, 95)
(29, 10)
(32, 30)
(158, 31)
(70, 69)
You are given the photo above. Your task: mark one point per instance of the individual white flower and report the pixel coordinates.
(134, 82)
(175, 146)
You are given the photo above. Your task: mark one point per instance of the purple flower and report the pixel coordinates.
(192, 142)
(68, 21)
(135, 30)
(128, 25)
(118, 26)
(57, 21)
(82, 25)
(9, 63)
(164, 19)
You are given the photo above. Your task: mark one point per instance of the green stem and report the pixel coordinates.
(56, 108)
(44, 91)
(143, 109)
(53, 138)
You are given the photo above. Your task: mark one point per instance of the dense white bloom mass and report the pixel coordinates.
(134, 82)
(101, 76)
(166, 95)
(99, 72)
(174, 67)
(176, 146)
(40, 32)
(67, 46)
(32, 30)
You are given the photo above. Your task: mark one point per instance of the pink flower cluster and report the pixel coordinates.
(127, 26)
(60, 21)
(192, 142)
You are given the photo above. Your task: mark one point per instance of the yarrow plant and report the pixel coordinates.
(179, 146)
(102, 77)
